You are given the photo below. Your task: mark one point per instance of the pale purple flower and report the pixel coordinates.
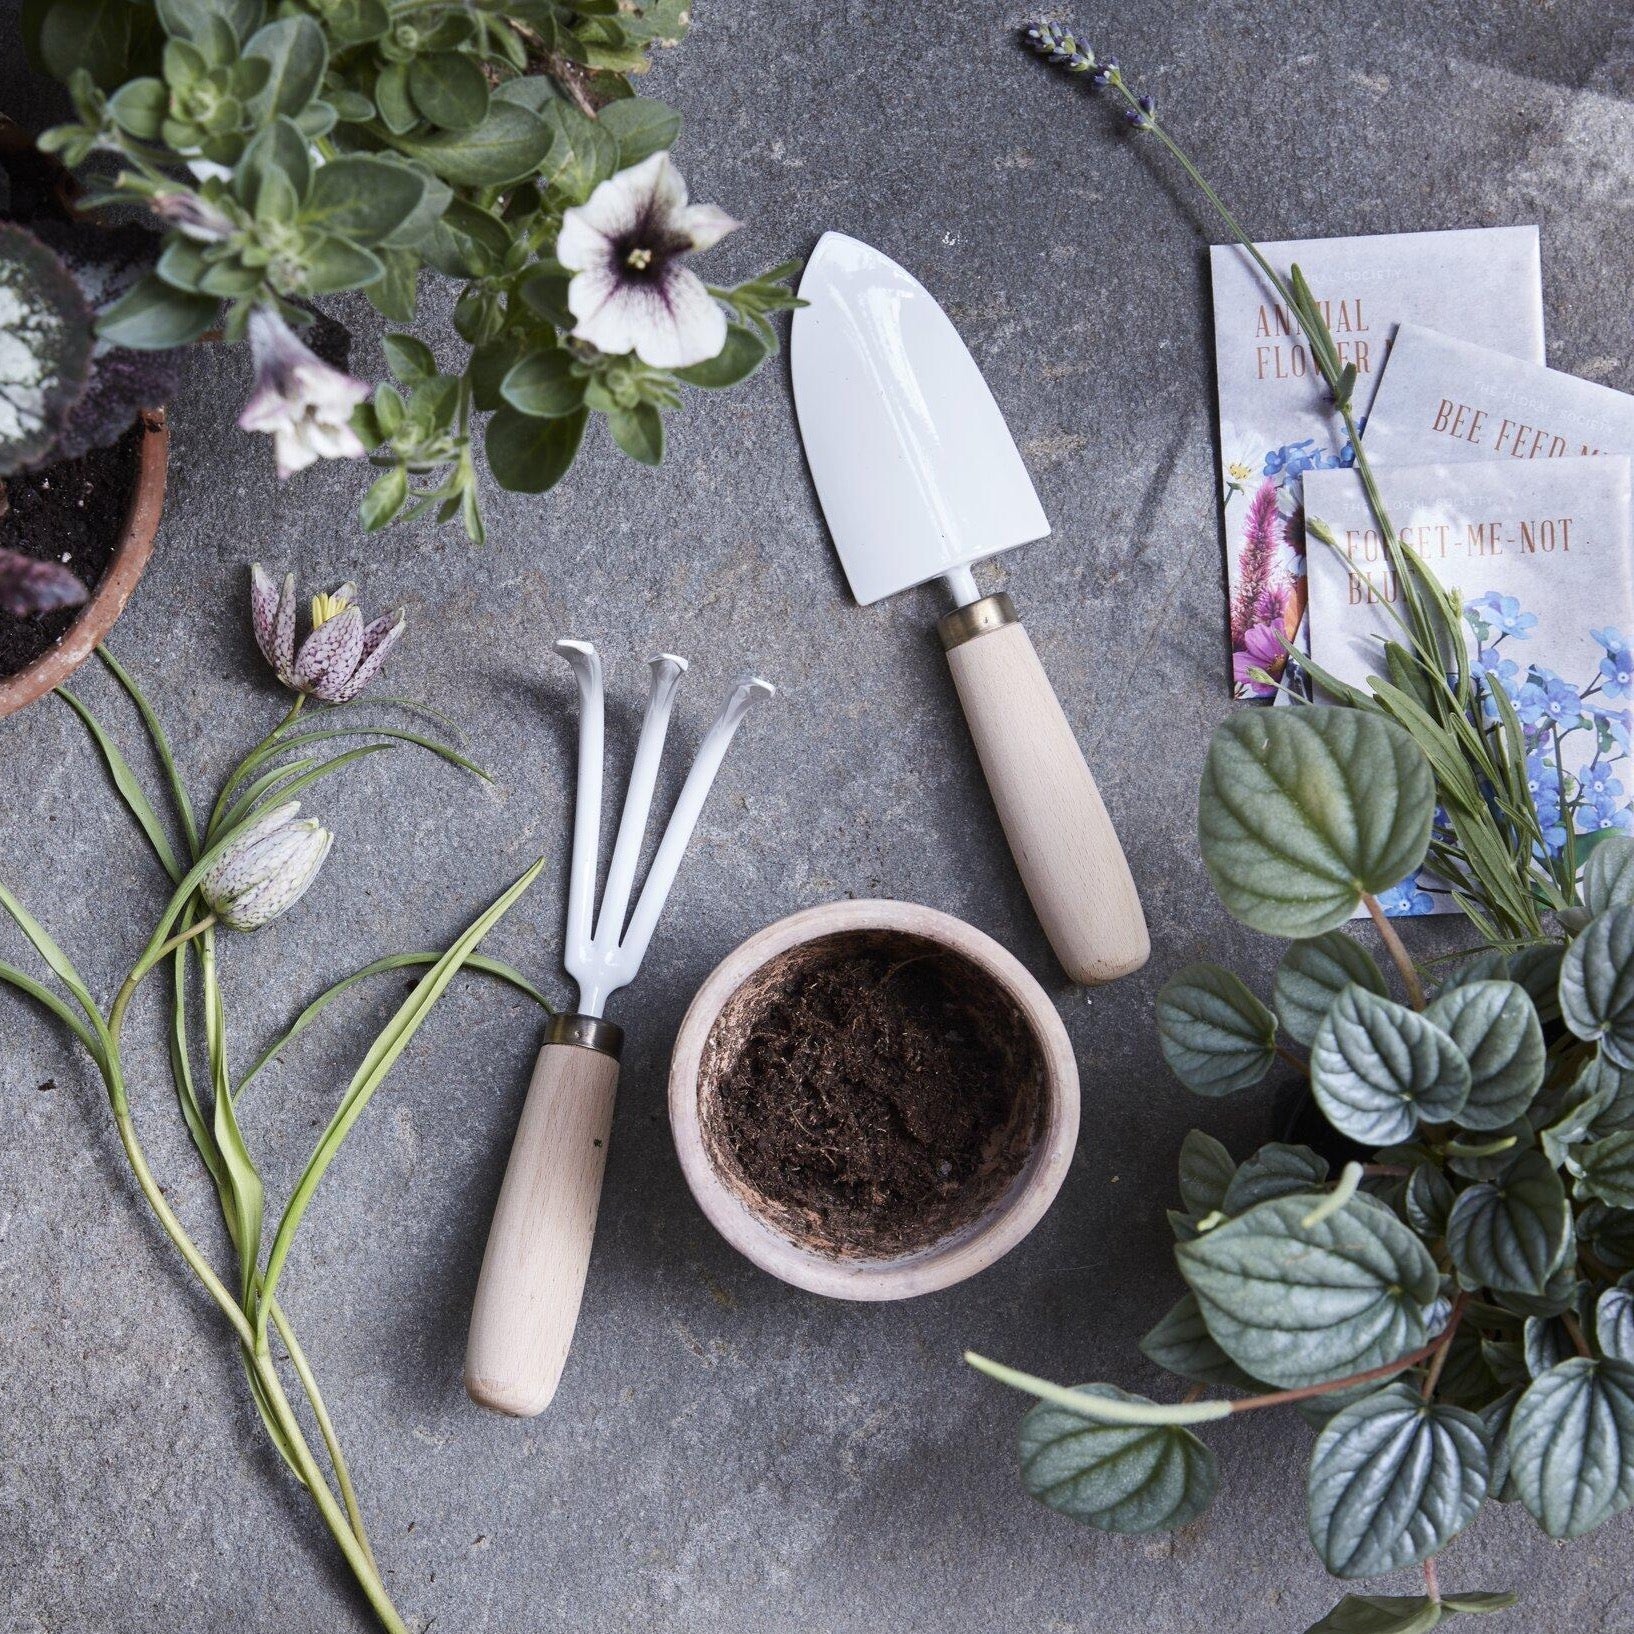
(267, 869)
(305, 405)
(630, 292)
(340, 655)
(193, 216)
(29, 587)
(1261, 649)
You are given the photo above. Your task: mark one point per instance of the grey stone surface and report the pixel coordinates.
(728, 1456)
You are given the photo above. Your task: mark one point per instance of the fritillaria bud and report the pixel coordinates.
(267, 869)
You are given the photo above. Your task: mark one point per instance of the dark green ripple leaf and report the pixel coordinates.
(1118, 1477)
(1571, 1445)
(1597, 985)
(1216, 1036)
(1313, 973)
(1511, 1233)
(1497, 1032)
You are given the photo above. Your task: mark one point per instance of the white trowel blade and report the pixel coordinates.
(917, 472)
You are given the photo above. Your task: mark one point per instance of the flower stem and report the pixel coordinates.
(1397, 949)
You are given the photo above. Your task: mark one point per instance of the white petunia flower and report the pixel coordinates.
(305, 405)
(630, 292)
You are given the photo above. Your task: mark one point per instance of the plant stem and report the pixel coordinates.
(1286, 1054)
(1432, 1584)
(1444, 1349)
(1397, 950)
(1281, 1398)
(1568, 1320)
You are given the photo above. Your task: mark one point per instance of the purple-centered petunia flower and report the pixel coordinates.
(304, 404)
(339, 657)
(1261, 649)
(630, 292)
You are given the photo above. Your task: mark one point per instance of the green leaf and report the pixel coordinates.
(46, 361)
(1614, 1323)
(1571, 1445)
(1380, 1614)
(1301, 811)
(384, 499)
(333, 265)
(1511, 1234)
(1605, 1169)
(1537, 969)
(409, 358)
(1294, 1303)
(1428, 1201)
(151, 316)
(1182, 1344)
(391, 95)
(1393, 1480)
(279, 153)
(1117, 1477)
(639, 432)
(89, 35)
(544, 291)
(1275, 1171)
(1478, 1603)
(1216, 1036)
(1597, 985)
(1378, 1067)
(583, 152)
(641, 126)
(449, 89)
(362, 199)
(139, 106)
(1313, 973)
(1206, 1170)
(298, 57)
(356, 22)
(528, 455)
(130, 790)
(1608, 879)
(194, 19)
(1589, 1094)
(544, 383)
(1497, 1032)
(509, 144)
(742, 354)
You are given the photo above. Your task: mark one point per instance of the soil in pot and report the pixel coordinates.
(71, 513)
(870, 1095)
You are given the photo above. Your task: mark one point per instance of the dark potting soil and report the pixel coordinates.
(70, 513)
(879, 1100)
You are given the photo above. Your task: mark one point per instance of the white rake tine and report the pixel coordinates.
(667, 671)
(581, 891)
(678, 832)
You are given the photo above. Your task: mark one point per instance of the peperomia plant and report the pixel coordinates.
(1454, 1309)
(235, 870)
(298, 150)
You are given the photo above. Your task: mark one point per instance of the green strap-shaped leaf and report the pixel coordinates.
(1182, 1344)
(1511, 1233)
(1297, 1303)
(1216, 1036)
(1597, 985)
(1393, 1479)
(1378, 1067)
(1605, 1169)
(1313, 973)
(1206, 1168)
(1303, 810)
(1497, 1032)
(1571, 1445)
(1608, 879)
(1118, 1477)
(1276, 1170)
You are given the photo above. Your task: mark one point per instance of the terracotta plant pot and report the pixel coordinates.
(718, 1023)
(125, 567)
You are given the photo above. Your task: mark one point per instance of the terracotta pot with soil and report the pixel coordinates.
(97, 516)
(873, 1100)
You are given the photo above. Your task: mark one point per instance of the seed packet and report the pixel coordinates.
(1447, 400)
(1276, 422)
(1542, 554)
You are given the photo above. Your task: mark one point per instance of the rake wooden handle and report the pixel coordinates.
(1053, 816)
(538, 1251)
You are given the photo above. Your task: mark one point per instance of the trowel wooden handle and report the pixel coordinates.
(539, 1243)
(1053, 816)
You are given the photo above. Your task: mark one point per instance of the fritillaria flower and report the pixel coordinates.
(630, 292)
(304, 403)
(340, 655)
(267, 869)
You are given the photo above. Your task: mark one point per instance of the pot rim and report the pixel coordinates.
(125, 568)
(968, 1250)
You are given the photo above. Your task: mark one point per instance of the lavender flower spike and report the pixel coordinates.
(267, 869)
(305, 405)
(340, 655)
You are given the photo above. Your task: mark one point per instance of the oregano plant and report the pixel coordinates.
(1451, 1304)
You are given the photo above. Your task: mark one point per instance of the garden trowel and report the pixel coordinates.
(919, 479)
